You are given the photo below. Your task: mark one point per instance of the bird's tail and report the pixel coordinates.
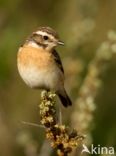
(64, 98)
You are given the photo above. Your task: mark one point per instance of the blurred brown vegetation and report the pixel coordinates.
(83, 25)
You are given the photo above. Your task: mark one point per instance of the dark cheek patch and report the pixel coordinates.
(38, 39)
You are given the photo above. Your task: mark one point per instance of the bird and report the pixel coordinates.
(39, 64)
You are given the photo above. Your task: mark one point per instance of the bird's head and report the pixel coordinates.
(45, 37)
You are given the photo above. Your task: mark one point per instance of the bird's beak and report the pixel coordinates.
(60, 43)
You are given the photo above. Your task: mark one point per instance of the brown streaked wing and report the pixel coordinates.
(58, 60)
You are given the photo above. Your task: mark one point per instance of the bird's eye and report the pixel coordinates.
(45, 37)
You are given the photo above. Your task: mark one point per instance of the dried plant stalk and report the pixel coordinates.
(84, 107)
(61, 137)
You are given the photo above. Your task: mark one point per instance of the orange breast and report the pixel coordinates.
(34, 57)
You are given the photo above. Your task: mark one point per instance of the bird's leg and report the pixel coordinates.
(60, 116)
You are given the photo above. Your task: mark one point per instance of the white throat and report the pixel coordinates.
(33, 44)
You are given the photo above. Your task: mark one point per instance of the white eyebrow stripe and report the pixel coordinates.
(44, 34)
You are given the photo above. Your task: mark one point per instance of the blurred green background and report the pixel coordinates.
(83, 25)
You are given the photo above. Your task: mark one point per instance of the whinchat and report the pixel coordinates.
(40, 65)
